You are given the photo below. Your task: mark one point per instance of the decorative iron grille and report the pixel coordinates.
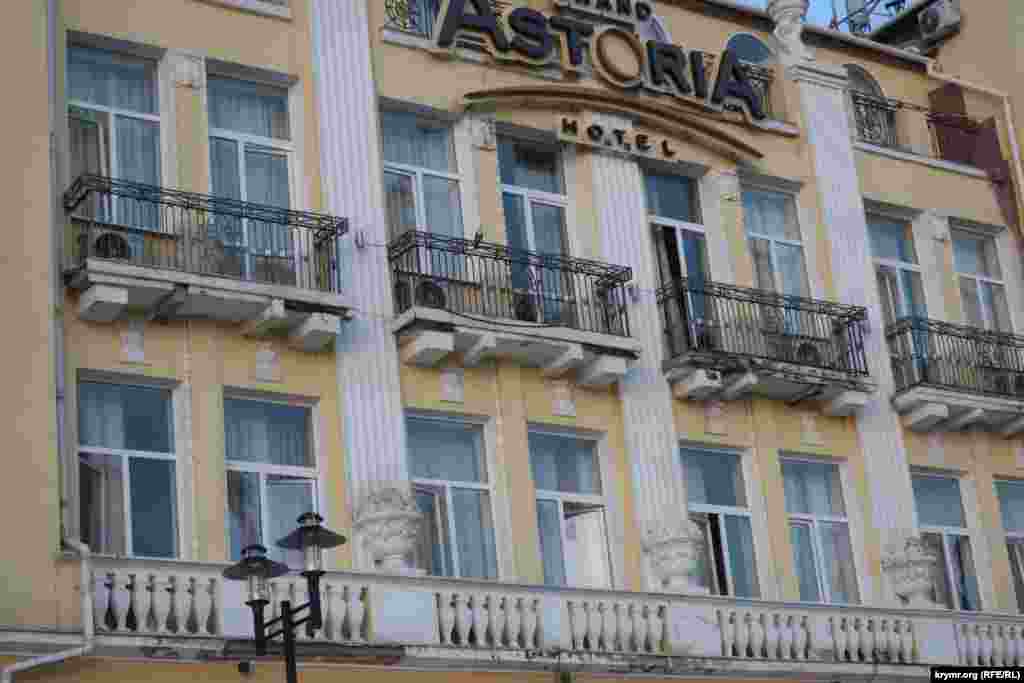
(875, 118)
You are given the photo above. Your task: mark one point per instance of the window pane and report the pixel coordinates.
(287, 499)
(963, 572)
(812, 488)
(474, 534)
(399, 203)
(154, 530)
(940, 581)
(770, 214)
(434, 549)
(888, 291)
(549, 525)
(586, 546)
(891, 239)
(554, 286)
(101, 488)
(226, 181)
(138, 160)
(515, 233)
(87, 151)
(713, 478)
(912, 303)
(838, 562)
(971, 304)
(1015, 550)
(445, 450)
(938, 501)
(243, 511)
(670, 196)
(975, 255)
(564, 463)
(708, 562)
(112, 80)
(548, 228)
(803, 559)
(750, 49)
(529, 165)
(1011, 504)
(124, 416)
(247, 107)
(790, 262)
(441, 202)
(760, 252)
(993, 298)
(409, 139)
(270, 433)
(740, 540)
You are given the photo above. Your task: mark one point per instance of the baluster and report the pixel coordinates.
(341, 613)
(446, 616)
(329, 615)
(461, 619)
(857, 641)
(756, 636)
(966, 646)
(212, 621)
(656, 628)
(913, 651)
(621, 627)
(577, 623)
(889, 633)
(492, 632)
(607, 627)
(1012, 652)
(131, 615)
(531, 620)
(110, 611)
(769, 623)
(478, 619)
(1019, 640)
(903, 652)
(1000, 649)
(161, 604)
(636, 631)
(593, 625)
(275, 599)
(801, 638)
(786, 636)
(723, 623)
(191, 611)
(872, 640)
(834, 624)
(357, 611)
(742, 634)
(150, 622)
(513, 620)
(986, 650)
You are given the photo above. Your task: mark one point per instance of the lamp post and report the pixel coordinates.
(257, 569)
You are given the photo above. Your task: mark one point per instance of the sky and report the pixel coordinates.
(820, 12)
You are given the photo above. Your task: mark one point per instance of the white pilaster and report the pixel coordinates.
(368, 371)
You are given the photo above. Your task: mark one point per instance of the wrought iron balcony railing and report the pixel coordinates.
(475, 278)
(156, 227)
(418, 16)
(956, 357)
(899, 125)
(733, 325)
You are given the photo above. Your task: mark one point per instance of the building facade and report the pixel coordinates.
(622, 339)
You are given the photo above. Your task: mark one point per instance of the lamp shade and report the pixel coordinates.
(255, 563)
(311, 538)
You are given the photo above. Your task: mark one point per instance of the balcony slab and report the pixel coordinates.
(957, 410)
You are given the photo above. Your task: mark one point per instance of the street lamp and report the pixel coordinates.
(256, 569)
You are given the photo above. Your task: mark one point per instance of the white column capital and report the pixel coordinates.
(789, 17)
(909, 567)
(674, 549)
(388, 523)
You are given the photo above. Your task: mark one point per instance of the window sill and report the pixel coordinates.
(921, 159)
(261, 7)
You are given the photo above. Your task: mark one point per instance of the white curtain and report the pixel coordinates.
(445, 450)
(1011, 504)
(112, 80)
(266, 182)
(549, 526)
(938, 501)
(100, 415)
(564, 463)
(411, 140)
(287, 499)
(741, 556)
(838, 562)
(248, 107)
(586, 548)
(243, 510)
(812, 488)
(474, 534)
(803, 561)
(264, 432)
(713, 478)
(670, 196)
(138, 160)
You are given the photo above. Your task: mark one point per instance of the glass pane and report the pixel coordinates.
(154, 529)
(409, 139)
(101, 491)
(1015, 550)
(695, 255)
(713, 478)
(891, 239)
(789, 260)
(548, 228)
(770, 214)
(243, 511)
(124, 416)
(670, 196)
(138, 160)
(889, 292)
(434, 556)
(741, 556)
(226, 182)
(515, 234)
(529, 165)
(549, 525)
(913, 295)
(1011, 504)
(441, 202)
(760, 252)
(838, 562)
(474, 534)
(287, 499)
(971, 303)
(399, 203)
(451, 451)
(963, 572)
(750, 49)
(938, 501)
(707, 567)
(812, 488)
(564, 463)
(940, 580)
(266, 182)
(248, 107)
(586, 546)
(975, 255)
(803, 560)
(84, 141)
(112, 80)
(993, 298)
(271, 433)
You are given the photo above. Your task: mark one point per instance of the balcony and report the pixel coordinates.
(484, 300)
(187, 611)
(166, 254)
(725, 342)
(949, 377)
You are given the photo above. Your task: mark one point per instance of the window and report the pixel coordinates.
(981, 281)
(271, 473)
(873, 117)
(718, 504)
(819, 532)
(533, 195)
(453, 492)
(940, 514)
(1011, 505)
(421, 181)
(114, 130)
(774, 236)
(570, 511)
(127, 470)
(250, 161)
(896, 269)
(757, 58)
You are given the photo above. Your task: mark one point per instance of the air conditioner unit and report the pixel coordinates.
(111, 245)
(938, 20)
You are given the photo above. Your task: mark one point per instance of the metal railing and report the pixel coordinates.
(476, 278)
(418, 16)
(899, 125)
(733, 325)
(761, 78)
(146, 225)
(928, 352)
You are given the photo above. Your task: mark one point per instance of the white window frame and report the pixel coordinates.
(898, 297)
(986, 313)
(812, 522)
(562, 497)
(1014, 537)
(659, 221)
(262, 470)
(446, 486)
(285, 148)
(124, 455)
(773, 241)
(945, 532)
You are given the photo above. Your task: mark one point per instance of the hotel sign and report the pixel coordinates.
(622, 140)
(605, 29)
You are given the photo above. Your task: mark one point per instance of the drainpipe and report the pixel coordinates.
(88, 625)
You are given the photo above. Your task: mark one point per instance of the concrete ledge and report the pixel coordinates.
(602, 371)
(270, 320)
(950, 166)
(566, 361)
(926, 416)
(102, 303)
(697, 385)
(737, 386)
(426, 348)
(846, 403)
(316, 332)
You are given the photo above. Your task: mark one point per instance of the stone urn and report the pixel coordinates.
(788, 17)
(674, 552)
(909, 565)
(388, 523)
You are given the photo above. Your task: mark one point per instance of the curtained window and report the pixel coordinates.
(819, 532)
(982, 293)
(896, 268)
(271, 473)
(127, 470)
(775, 243)
(1011, 507)
(446, 461)
(940, 515)
(571, 518)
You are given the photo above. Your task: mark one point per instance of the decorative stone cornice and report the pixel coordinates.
(789, 16)
(818, 74)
